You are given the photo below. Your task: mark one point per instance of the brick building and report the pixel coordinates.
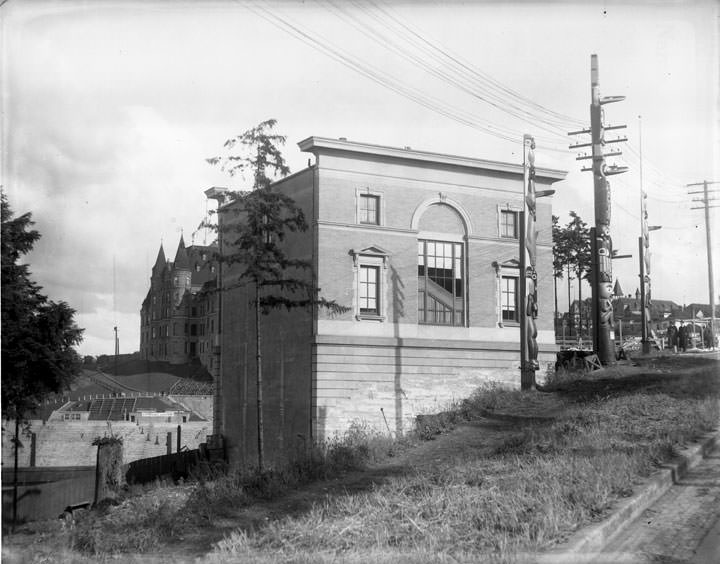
(178, 318)
(423, 247)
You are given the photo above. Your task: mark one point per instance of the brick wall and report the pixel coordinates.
(286, 355)
(334, 369)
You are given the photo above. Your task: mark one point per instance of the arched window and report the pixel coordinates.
(442, 263)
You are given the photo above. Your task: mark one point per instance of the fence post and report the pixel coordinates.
(33, 448)
(168, 442)
(108, 468)
(179, 432)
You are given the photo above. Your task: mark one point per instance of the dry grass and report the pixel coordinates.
(571, 454)
(535, 490)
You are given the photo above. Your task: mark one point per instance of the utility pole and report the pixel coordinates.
(528, 274)
(708, 239)
(603, 342)
(117, 349)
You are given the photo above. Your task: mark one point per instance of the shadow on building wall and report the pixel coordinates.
(398, 294)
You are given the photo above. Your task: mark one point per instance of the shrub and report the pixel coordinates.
(137, 524)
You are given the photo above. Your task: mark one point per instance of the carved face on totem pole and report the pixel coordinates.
(605, 302)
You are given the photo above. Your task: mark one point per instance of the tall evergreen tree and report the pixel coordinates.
(38, 336)
(256, 239)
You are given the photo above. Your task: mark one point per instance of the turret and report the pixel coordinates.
(181, 272)
(160, 263)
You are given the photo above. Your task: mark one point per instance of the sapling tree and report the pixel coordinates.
(571, 250)
(559, 257)
(256, 240)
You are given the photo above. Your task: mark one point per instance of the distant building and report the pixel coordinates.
(178, 318)
(423, 248)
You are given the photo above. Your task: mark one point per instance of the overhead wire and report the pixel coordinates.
(475, 72)
(447, 71)
(467, 80)
(380, 77)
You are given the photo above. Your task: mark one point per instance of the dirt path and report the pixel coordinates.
(472, 439)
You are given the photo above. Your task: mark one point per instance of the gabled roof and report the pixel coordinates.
(202, 256)
(115, 409)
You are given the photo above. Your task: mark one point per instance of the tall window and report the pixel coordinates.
(441, 283)
(509, 224)
(369, 297)
(369, 207)
(509, 298)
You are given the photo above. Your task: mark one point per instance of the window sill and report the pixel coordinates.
(369, 317)
(503, 324)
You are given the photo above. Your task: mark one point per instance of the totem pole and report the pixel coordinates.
(528, 274)
(602, 260)
(644, 256)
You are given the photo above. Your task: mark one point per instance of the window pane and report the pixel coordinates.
(368, 291)
(508, 224)
(509, 298)
(369, 208)
(441, 284)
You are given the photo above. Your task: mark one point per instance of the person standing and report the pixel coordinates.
(707, 337)
(682, 337)
(672, 336)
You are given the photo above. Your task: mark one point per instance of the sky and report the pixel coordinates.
(109, 110)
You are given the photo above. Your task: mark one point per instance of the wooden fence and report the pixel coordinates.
(174, 466)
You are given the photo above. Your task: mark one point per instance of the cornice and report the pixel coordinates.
(320, 145)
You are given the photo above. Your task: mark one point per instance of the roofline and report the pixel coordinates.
(318, 145)
(274, 183)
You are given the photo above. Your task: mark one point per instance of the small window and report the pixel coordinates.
(197, 268)
(509, 224)
(369, 296)
(509, 298)
(369, 209)
(369, 267)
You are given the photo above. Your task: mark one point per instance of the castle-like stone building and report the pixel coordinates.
(179, 318)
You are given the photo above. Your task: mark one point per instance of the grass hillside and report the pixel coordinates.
(496, 478)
